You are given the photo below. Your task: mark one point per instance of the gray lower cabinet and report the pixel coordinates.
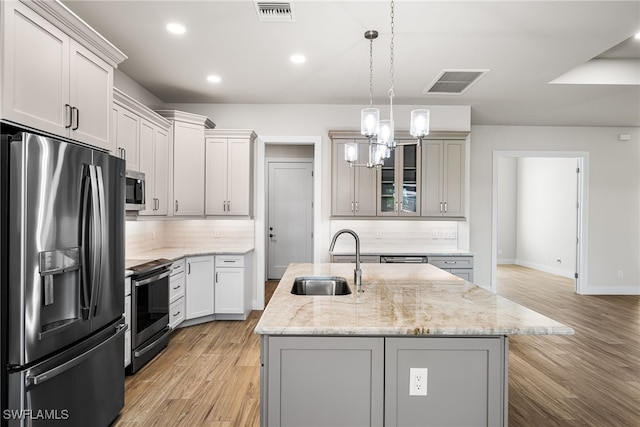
(461, 266)
(465, 382)
(365, 381)
(322, 381)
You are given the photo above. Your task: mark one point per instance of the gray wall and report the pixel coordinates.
(613, 196)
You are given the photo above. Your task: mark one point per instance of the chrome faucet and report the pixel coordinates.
(357, 273)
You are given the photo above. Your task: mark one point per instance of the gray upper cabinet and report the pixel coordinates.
(443, 189)
(353, 188)
(426, 180)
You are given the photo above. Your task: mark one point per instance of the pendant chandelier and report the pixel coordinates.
(383, 130)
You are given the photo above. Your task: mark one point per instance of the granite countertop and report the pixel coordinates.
(399, 299)
(174, 253)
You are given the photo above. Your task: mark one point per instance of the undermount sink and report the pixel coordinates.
(320, 285)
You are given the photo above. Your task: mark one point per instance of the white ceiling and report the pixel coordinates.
(525, 45)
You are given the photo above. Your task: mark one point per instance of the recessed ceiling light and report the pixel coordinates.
(176, 28)
(298, 59)
(214, 79)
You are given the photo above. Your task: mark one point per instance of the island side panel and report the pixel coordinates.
(465, 381)
(323, 381)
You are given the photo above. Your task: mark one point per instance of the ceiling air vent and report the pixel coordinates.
(274, 11)
(454, 82)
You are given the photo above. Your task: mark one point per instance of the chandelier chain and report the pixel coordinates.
(391, 68)
(370, 72)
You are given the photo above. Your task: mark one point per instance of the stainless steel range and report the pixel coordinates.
(149, 311)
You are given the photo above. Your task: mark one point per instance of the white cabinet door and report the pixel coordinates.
(127, 136)
(146, 147)
(161, 176)
(188, 172)
(199, 292)
(229, 291)
(35, 66)
(52, 83)
(216, 176)
(239, 164)
(91, 94)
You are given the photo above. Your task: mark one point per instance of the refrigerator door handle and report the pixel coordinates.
(103, 232)
(96, 260)
(41, 378)
(86, 292)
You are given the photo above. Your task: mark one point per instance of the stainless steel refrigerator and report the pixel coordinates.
(62, 281)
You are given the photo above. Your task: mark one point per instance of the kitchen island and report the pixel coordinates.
(418, 347)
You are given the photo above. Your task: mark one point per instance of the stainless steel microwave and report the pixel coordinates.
(135, 187)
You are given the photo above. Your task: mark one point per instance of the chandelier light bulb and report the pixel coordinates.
(351, 152)
(385, 135)
(419, 123)
(369, 119)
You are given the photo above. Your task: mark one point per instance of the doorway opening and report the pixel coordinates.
(539, 213)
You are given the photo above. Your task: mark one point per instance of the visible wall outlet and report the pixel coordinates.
(418, 381)
(216, 232)
(378, 234)
(620, 274)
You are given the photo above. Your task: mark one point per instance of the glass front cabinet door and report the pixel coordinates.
(399, 182)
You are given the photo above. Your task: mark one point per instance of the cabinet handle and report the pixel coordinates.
(188, 268)
(445, 207)
(216, 277)
(69, 115)
(123, 153)
(176, 314)
(77, 115)
(356, 206)
(176, 206)
(176, 288)
(352, 207)
(228, 206)
(441, 207)
(224, 206)
(451, 262)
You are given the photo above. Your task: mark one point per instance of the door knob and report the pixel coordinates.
(271, 235)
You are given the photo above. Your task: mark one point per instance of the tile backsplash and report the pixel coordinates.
(396, 235)
(143, 236)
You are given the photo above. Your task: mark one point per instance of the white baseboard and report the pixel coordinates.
(612, 290)
(505, 261)
(546, 269)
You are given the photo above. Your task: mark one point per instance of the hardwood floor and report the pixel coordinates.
(591, 378)
(209, 375)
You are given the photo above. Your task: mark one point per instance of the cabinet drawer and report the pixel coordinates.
(451, 261)
(229, 261)
(177, 267)
(176, 313)
(176, 286)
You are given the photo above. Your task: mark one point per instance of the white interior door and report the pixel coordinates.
(290, 216)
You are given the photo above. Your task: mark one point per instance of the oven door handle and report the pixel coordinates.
(148, 280)
(151, 346)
